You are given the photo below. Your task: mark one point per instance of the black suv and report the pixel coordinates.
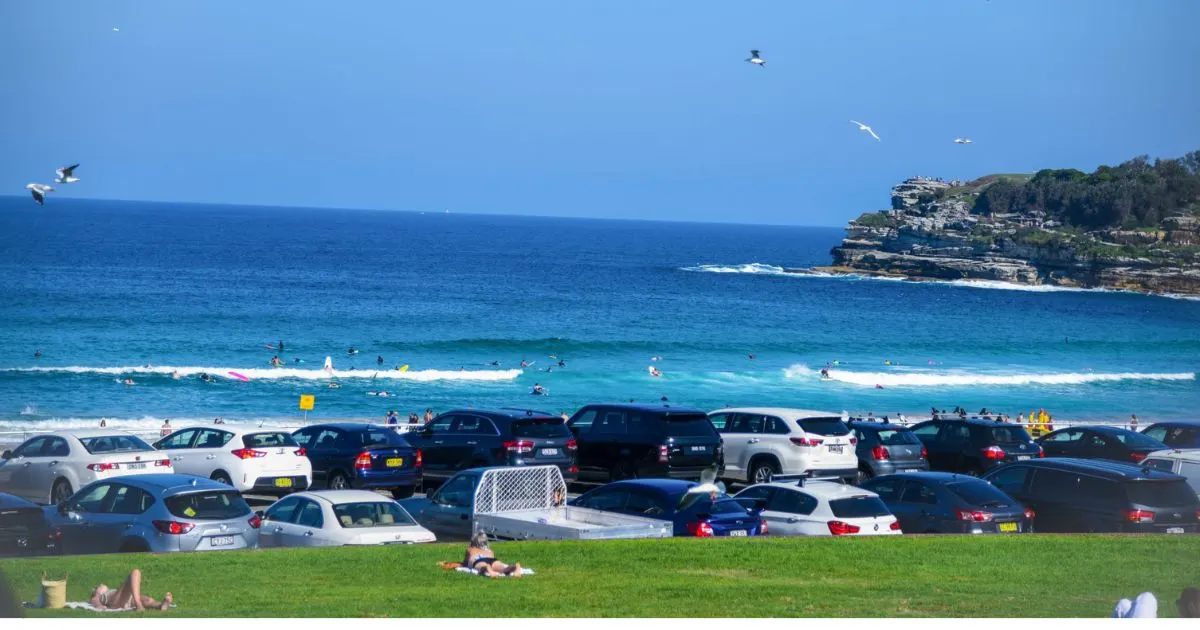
(627, 441)
(1175, 433)
(974, 446)
(470, 438)
(1090, 495)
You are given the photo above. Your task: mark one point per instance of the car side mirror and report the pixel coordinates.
(6, 455)
(63, 508)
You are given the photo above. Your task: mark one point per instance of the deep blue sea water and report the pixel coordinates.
(105, 288)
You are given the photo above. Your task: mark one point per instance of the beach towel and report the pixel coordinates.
(88, 606)
(524, 571)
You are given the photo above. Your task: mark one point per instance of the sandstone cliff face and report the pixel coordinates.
(930, 233)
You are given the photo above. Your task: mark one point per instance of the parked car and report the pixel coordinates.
(349, 455)
(1185, 463)
(629, 441)
(48, 468)
(761, 442)
(23, 528)
(885, 448)
(449, 510)
(948, 503)
(974, 446)
(335, 518)
(1092, 495)
(1175, 433)
(470, 438)
(1099, 442)
(251, 459)
(819, 508)
(157, 512)
(693, 514)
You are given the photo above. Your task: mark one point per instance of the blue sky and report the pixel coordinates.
(591, 108)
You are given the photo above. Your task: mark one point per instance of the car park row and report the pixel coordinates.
(652, 471)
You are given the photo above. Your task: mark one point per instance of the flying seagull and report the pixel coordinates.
(963, 141)
(39, 192)
(756, 60)
(708, 486)
(66, 175)
(866, 128)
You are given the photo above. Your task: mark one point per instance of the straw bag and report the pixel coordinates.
(54, 593)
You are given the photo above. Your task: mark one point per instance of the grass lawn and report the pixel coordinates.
(1028, 575)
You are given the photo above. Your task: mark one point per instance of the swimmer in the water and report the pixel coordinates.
(37, 354)
(524, 363)
(128, 381)
(538, 390)
(334, 386)
(176, 375)
(750, 356)
(379, 360)
(494, 363)
(562, 363)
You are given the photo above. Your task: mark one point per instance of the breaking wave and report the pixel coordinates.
(275, 374)
(925, 379)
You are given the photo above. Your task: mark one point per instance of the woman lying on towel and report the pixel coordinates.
(479, 558)
(128, 596)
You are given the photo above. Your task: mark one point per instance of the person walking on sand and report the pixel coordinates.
(1133, 423)
(428, 415)
(166, 428)
(103, 424)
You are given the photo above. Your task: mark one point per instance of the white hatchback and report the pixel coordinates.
(820, 508)
(254, 460)
(761, 442)
(49, 468)
(333, 518)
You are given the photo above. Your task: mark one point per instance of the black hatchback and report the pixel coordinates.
(1099, 442)
(472, 438)
(1175, 433)
(630, 441)
(974, 446)
(948, 503)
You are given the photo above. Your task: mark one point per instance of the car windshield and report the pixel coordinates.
(541, 428)
(727, 506)
(265, 440)
(1175, 493)
(897, 437)
(1009, 435)
(1137, 440)
(824, 426)
(371, 514)
(696, 425)
(213, 505)
(980, 493)
(858, 507)
(114, 444)
(382, 438)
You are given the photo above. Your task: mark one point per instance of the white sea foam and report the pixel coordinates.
(959, 379)
(15, 430)
(285, 373)
(762, 269)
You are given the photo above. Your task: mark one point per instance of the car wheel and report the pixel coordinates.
(338, 481)
(763, 471)
(403, 492)
(61, 491)
(221, 476)
(623, 470)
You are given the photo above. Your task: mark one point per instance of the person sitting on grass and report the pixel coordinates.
(128, 596)
(479, 558)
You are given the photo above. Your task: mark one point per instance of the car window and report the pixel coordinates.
(793, 502)
(644, 503)
(688, 425)
(308, 514)
(1065, 436)
(720, 421)
(91, 500)
(1157, 433)
(371, 514)
(1175, 493)
(896, 437)
(776, 426)
(917, 492)
(606, 500)
(1008, 434)
(610, 423)
(858, 507)
(832, 426)
(213, 505)
(379, 437)
(1137, 440)
(327, 440)
(1096, 490)
(212, 438)
(641, 423)
(888, 489)
(128, 500)
(1191, 470)
(1181, 437)
(283, 511)
(540, 428)
(303, 436)
(1153, 463)
(458, 492)
(441, 424)
(751, 423)
(57, 447)
(268, 439)
(1010, 479)
(954, 436)
(721, 506)
(473, 425)
(927, 430)
(113, 444)
(583, 420)
(980, 493)
(32, 448)
(181, 439)
(1054, 485)
(1094, 440)
(757, 493)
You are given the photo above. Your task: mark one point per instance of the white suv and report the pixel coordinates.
(761, 442)
(251, 459)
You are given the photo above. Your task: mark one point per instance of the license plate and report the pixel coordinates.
(835, 448)
(394, 462)
(549, 451)
(698, 449)
(737, 532)
(1174, 530)
(135, 466)
(1008, 527)
(221, 541)
(912, 470)
(283, 482)
(1022, 458)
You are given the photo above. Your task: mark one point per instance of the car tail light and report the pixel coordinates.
(763, 530)
(162, 463)
(248, 453)
(853, 441)
(664, 453)
(838, 528)
(420, 459)
(174, 528)
(301, 452)
(519, 446)
(255, 521)
(895, 526)
(700, 529)
(993, 452)
(572, 445)
(1138, 516)
(1029, 514)
(880, 452)
(973, 516)
(1041, 452)
(924, 453)
(1137, 457)
(573, 469)
(103, 467)
(363, 461)
(806, 441)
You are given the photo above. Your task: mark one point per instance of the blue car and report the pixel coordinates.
(695, 514)
(348, 455)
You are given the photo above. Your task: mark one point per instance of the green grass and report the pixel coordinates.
(1027, 575)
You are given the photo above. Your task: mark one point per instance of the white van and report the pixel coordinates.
(1185, 463)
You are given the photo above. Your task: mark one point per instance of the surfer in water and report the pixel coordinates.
(205, 377)
(824, 373)
(275, 361)
(538, 390)
(524, 363)
(297, 360)
(379, 360)
(550, 368)
(37, 354)
(562, 364)
(654, 371)
(176, 375)
(494, 363)
(281, 345)
(352, 350)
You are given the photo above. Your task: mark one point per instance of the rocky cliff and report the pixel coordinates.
(931, 233)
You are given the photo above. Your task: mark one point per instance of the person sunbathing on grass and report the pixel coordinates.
(128, 596)
(479, 558)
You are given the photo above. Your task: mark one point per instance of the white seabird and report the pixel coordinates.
(963, 141)
(866, 128)
(66, 175)
(39, 192)
(756, 60)
(708, 486)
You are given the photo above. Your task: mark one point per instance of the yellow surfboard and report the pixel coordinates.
(404, 368)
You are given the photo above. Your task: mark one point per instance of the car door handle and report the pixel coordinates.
(177, 458)
(27, 464)
(54, 463)
(128, 525)
(438, 442)
(278, 530)
(210, 457)
(753, 441)
(793, 520)
(308, 533)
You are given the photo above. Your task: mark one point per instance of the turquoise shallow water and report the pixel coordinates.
(104, 289)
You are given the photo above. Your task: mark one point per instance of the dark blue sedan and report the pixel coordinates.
(349, 455)
(694, 514)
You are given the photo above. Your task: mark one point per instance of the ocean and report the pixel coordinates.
(108, 290)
